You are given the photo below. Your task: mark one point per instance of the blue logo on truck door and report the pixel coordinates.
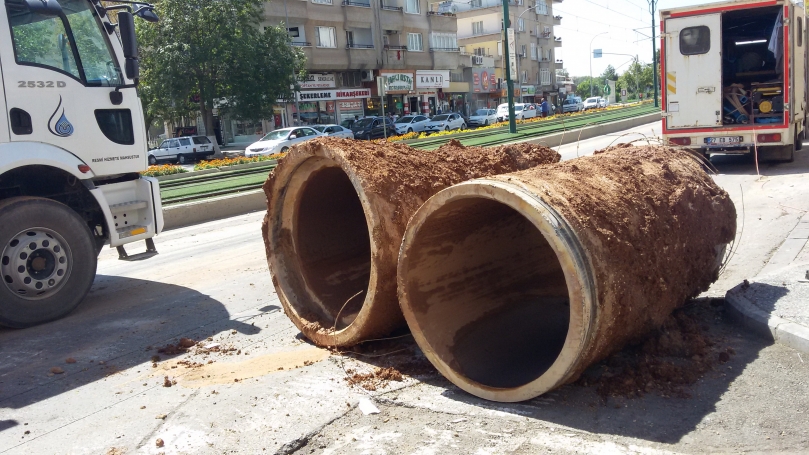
(62, 127)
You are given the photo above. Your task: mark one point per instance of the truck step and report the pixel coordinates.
(151, 251)
(129, 231)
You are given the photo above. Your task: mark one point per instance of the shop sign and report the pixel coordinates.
(350, 105)
(529, 90)
(315, 81)
(398, 82)
(432, 79)
(484, 80)
(331, 95)
(330, 107)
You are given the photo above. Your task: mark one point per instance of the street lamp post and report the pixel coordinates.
(652, 5)
(294, 76)
(591, 61)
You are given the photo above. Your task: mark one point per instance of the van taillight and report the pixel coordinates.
(680, 140)
(775, 137)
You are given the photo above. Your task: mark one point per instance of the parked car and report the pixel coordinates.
(603, 102)
(522, 111)
(373, 128)
(483, 117)
(590, 103)
(573, 104)
(280, 141)
(445, 122)
(411, 124)
(334, 131)
(182, 149)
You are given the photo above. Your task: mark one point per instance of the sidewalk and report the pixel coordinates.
(775, 303)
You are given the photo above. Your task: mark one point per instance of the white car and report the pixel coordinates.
(280, 141)
(334, 131)
(483, 117)
(603, 102)
(522, 111)
(445, 122)
(182, 149)
(591, 103)
(411, 124)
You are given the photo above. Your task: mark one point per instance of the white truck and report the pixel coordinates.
(733, 77)
(72, 143)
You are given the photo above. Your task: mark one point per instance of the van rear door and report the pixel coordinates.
(693, 78)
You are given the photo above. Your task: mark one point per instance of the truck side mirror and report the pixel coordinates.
(147, 14)
(126, 26)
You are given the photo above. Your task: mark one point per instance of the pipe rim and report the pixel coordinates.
(573, 260)
(292, 179)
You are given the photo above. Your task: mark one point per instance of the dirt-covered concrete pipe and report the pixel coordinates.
(513, 285)
(336, 213)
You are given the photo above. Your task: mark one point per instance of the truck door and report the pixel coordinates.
(798, 65)
(693, 78)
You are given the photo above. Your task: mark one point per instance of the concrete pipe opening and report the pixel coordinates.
(323, 248)
(489, 288)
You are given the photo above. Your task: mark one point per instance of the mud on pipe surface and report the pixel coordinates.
(513, 285)
(336, 213)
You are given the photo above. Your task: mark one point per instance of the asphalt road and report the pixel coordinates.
(273, 392)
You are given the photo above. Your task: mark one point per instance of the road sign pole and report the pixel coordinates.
(512, 123)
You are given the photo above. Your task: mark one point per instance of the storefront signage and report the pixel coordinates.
(432, 79)
(529, 90)
(331, 95)
(314, 81)
(399, 82)
(484, 80)
(350, 105)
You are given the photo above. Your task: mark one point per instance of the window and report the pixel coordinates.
(326, 37)
(44, 40)
(695, 40)
(185, 141)
(322, 2)
(546, 32)
(523, 52)
(533, 51)
(800, 31)
(294, 32)
(479, 51)
(349, 38)
(477, 28)
(537, 79)
(542, 8)
(499, 48)
(116, 124)
(545, 76)
(443, 41)
(201, 140)
(524, 78)
(412, 7)
(521, 25)
(350, 79)
(476, 3)
(414, 42)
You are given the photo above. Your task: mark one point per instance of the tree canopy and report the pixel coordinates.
(206, 54)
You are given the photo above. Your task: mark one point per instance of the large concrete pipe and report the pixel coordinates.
(336, 213)
(513, 285)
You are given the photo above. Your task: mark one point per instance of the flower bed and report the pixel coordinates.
(225, 162)
(163, 169)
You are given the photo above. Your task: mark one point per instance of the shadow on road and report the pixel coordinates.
(746, 165)
(119, 325)
(653, 416)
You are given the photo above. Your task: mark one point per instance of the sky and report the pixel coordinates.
(626, 25)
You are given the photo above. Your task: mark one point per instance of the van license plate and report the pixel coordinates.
(723, 140)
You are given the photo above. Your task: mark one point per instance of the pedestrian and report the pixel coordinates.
(544, 107)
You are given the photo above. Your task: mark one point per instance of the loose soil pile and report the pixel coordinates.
(376, 380)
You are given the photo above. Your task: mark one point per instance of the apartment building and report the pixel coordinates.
(348, 43)
(480, 35)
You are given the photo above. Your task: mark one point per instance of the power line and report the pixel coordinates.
(599, 22)
(614, 11)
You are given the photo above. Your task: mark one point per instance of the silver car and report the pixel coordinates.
(279, 141)
(483, 117)
(334, 131)
(411, 124)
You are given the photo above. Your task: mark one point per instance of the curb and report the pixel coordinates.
(176, 216)
(773, 328)
(589, 132)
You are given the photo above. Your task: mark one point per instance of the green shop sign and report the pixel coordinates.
(399, 82)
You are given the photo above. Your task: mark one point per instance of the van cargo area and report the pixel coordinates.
(752, 66)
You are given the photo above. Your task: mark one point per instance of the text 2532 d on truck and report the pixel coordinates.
(72, 143)
(734, 78)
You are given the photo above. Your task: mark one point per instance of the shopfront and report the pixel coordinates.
(457, 95)
(529, 94)
(430, 86)
(484, 93)
(399, 87)
(329, 106)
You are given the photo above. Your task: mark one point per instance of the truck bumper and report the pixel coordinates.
(133, 209)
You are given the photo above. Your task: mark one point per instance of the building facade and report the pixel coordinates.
(480, 33)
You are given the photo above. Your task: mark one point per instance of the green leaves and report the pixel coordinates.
(206, 54)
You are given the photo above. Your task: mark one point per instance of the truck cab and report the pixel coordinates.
(733, 77)
(72, 144)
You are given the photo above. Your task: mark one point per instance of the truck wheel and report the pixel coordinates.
(47, 261)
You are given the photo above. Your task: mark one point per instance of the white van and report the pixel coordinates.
(522, 111)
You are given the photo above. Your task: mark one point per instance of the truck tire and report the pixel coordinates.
(47, 261)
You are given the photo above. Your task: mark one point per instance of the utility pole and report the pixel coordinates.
(652, 5)
(512, 123)
(294, 76)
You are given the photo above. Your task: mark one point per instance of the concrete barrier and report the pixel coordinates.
(180, 215)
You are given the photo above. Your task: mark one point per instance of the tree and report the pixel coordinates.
(206, 54)
(583, 87)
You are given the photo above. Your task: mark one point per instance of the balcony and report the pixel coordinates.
(385, 7)
(472, 60)
(557, 42)
(557, 20)
(360, 4)
(445, 9)
(359, 46)
(445, 49)
(559, 64)
(301, 44)
(390, 47)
